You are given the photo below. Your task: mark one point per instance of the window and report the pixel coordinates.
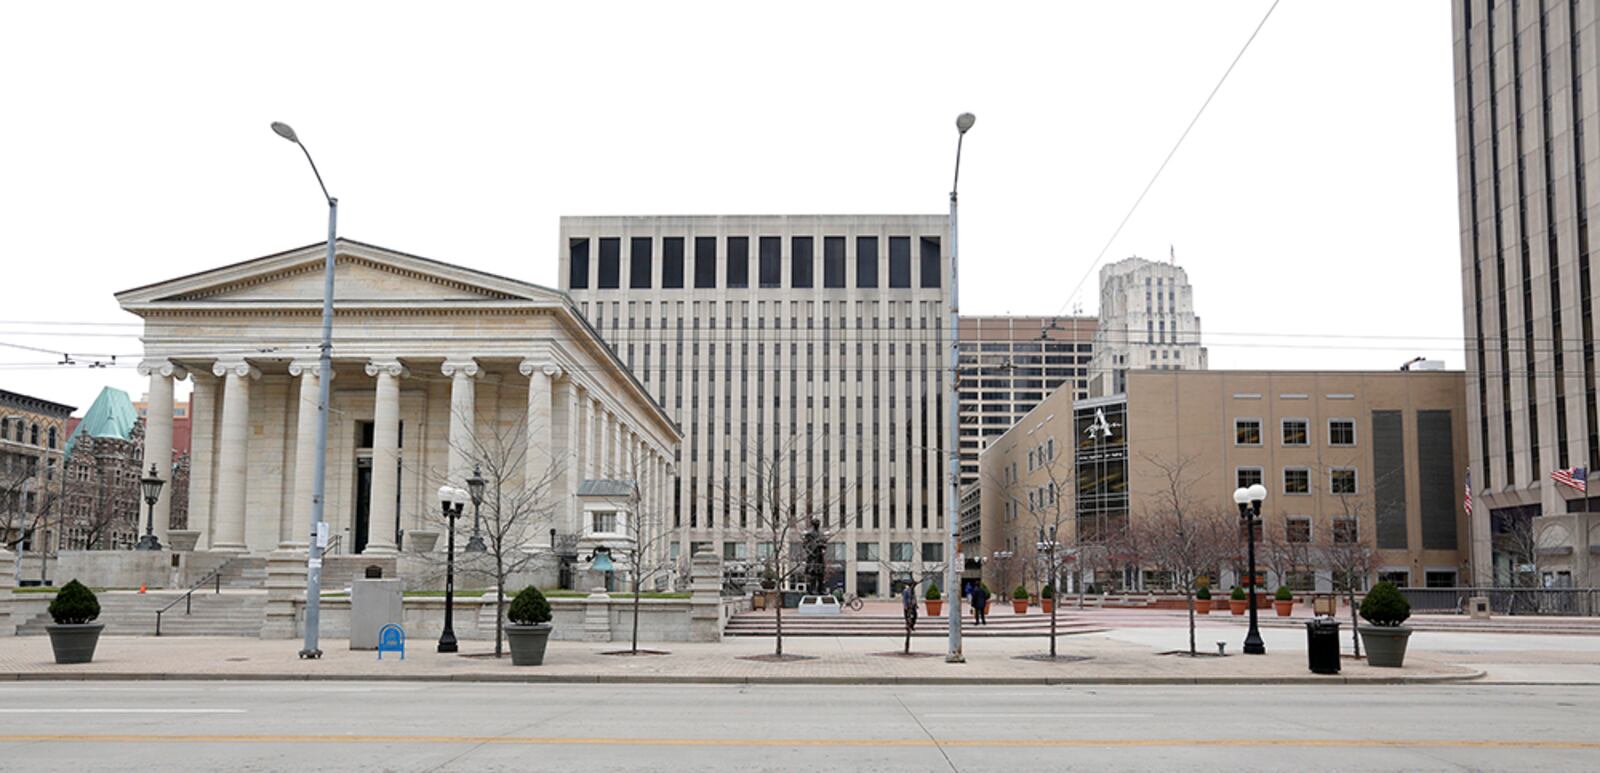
(639, 258)
(866, 551)
(1296, 432)
(1301, 581)
(1341, 432)
(673, 551)
(930, 269)
(899, 261)
(1342, 480)
(1400, 577)
(610, 263)
(866, 261)
(763, 551)
(771, 261)
(900, 551)
(578, 270)
(605, 522)
(800, 266)
(1247, 432)
(1297, 530)
(52, 437)
(1296, 480)
(1439, 579)
(1248, 476)
(705, 262)
(1345, 531)
(738, 261)
(836, 552)
(833, 261)
(932, 552)
(672, 262)
(734, 551)
(696, 548)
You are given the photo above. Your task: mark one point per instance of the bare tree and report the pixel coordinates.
(644, 556)
(1281, 553)
(1182, 533)
(785, 510)
(1350, 556)
(518, 503)
(1051, 514)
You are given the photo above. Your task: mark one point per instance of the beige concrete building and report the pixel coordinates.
(1522, 110)
(1008, 365)
(1376, 457)
(1147, 322)
(818, 335)
(32, 437)
(437, 368)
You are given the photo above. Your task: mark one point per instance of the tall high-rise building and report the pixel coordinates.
(820, 336)
(1147, 322)
(1522, 110)
(1008, 365)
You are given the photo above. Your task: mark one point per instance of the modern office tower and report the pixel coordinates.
(1521, 113)
(1147, 322)
(819, 336)
(1008, 365)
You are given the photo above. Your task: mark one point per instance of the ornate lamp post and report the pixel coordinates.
(151, 484)
(1249, 501)
(475, 486)
(453, 501)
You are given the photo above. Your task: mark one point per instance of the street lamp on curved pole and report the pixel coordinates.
(317, 542)
(952, 438)
(1249, 500)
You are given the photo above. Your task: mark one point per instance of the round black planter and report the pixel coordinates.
(74, 642)
(528, 643)
(1386, 644)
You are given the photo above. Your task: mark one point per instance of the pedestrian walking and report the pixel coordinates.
(980, 598)
(908, 604)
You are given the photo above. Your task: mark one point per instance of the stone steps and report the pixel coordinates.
(764, 624)
(134, 614)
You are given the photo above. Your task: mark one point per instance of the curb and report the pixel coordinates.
(112, 676)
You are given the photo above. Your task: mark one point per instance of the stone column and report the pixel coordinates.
(591, 433)
(463, 418)
(158, 436)
(305, 453)
(383, 512)
(202, 456)
(571, 460)
(540, 458)
(233, 450)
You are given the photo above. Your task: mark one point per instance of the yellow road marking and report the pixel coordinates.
(1401, 743)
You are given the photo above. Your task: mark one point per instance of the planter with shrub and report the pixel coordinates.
(529, 627)
(1238, 602)
(1019, 600)
(934, 599)
(1283, 601)
(1047, 598)
(74, 633)
(1202, 600)
(1385, 607)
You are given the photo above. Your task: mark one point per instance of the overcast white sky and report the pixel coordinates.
(1314, 203)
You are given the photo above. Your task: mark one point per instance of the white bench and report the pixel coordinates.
(819, 605)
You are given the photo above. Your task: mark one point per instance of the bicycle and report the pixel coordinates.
(853, 602)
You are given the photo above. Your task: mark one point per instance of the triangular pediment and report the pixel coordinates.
(362, 273)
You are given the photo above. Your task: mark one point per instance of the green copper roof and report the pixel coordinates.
(111, 415)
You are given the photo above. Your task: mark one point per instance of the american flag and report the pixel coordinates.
(1572, 477)
(1466, 501)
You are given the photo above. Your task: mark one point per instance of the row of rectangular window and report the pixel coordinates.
(932, 552)
(1295, 432)
(736, 252)
(1297, 480)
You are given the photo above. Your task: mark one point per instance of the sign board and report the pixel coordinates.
(322, 534)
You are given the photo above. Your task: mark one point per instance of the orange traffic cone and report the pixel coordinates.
(141, 587)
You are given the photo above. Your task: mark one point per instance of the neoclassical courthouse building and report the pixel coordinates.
(429, 360)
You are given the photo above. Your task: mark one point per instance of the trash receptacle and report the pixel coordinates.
(1322, 645)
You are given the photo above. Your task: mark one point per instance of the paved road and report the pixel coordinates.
(415, 727)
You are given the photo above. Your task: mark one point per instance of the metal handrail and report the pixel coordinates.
(334, 543)
(186, 598)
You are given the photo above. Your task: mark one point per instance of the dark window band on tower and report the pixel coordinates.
(833, 261)
(1581, 204)
(930, 272)
(801, 265)
(610, 264)
(578, 268)
(866, 261)
(771, 260)
(705, 263)
(1502, 304)
(672, 262)
(1525, 252)
(639, 262)
(899, 262)
(1471, 220)
(1558, 363)
(738, 261)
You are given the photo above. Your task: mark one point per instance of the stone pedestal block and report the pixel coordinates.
(705, 597)
(8, 583)
(286, 582)
(597, 616)
(373, 605)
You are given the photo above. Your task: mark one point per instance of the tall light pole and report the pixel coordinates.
(1249, 500)
(324, 375)
(151, 484)
(952, 438)
(452, 500)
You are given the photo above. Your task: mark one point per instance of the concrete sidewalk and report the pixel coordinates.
(844, 660)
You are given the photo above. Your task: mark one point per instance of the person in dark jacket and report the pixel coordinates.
(980, 598)
(908, 604)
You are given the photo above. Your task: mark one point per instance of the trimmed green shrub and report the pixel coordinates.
(1021, 593)
(1237, 594)
(1047, 592)
(933, 592)
(1385, 605)
(1283, 594)
(74, 604)
(529, 608)
(1204, 594)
